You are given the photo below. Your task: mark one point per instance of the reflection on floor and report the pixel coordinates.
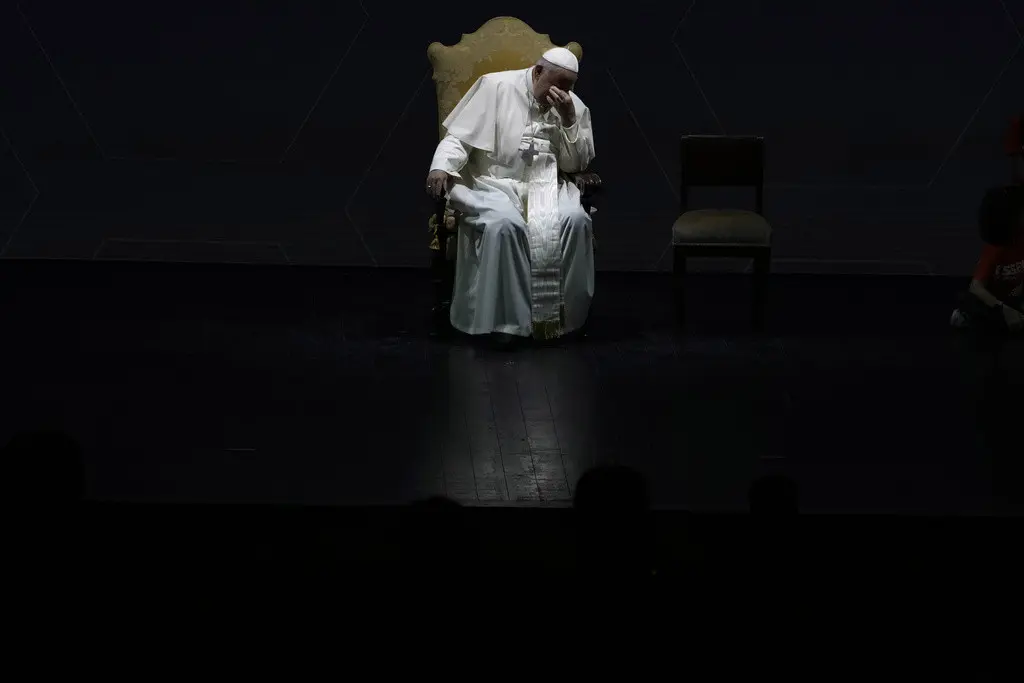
(276, 384)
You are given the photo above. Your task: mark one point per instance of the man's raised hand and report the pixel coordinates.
(562, 102)
(437, 183)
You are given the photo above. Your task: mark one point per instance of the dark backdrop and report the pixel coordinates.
(300, 131)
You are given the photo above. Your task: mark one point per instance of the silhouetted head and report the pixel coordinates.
(1001, 215)
(613, 489)
(437, 508)
(774, 495)
(438, 535)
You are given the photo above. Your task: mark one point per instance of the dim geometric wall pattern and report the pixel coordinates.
(300, 132)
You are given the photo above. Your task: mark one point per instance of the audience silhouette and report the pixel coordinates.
(612, 508)
(438, 540)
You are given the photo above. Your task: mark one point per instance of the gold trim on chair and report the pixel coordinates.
(451, 222)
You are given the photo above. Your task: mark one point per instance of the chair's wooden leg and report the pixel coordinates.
(439, 310)
(449, 281)
(762, 266)
(679, 283)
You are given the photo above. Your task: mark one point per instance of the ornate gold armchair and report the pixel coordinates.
(501, 44)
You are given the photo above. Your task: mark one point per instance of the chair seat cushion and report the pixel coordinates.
(722, 227)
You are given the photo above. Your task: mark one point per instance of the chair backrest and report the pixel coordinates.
(722, 160)
(501, 44)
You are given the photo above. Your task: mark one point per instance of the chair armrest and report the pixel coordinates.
(590, 186)
(588, 183)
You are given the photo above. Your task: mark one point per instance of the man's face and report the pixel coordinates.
(545, 77)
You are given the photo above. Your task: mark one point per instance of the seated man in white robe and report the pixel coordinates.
(525, 254)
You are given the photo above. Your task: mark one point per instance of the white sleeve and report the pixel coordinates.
(450, 156)
(576, 146)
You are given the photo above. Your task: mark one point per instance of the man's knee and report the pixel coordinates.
(505, 226)
(575, 220)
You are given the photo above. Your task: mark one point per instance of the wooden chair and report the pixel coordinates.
(723, 161)
(501, 44)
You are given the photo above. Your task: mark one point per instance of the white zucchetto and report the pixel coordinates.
(559, 56)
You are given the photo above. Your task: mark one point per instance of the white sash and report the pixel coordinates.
(542, 223)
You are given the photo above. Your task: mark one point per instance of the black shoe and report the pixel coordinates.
(502, 338)
(576, 335)
(504, 341)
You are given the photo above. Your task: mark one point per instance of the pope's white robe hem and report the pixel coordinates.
(492, 291)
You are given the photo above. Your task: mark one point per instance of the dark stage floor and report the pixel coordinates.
(323, 386)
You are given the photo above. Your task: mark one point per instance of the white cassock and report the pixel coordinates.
(525, 253)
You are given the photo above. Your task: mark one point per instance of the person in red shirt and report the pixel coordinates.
(995, 298)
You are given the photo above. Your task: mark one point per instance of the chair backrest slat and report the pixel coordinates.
(722, 161)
